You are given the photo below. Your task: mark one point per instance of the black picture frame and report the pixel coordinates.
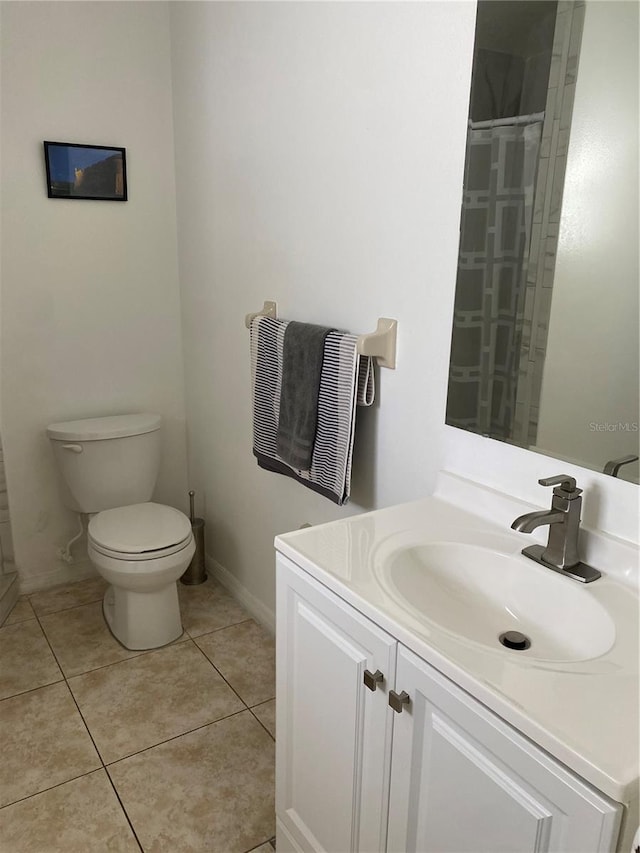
(78, 171)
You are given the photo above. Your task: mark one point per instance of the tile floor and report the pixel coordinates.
(104, 749)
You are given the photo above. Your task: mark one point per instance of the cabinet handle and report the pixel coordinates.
(398, 700)
(372, 679)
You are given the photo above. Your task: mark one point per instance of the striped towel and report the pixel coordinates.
(346, 379)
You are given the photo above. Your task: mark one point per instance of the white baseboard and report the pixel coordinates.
(256, 607)
(284, 841)
(67, 573)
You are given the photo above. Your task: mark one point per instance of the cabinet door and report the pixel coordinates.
(463, 781)
(333, 736)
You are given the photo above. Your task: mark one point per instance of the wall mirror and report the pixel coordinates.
(545, 342)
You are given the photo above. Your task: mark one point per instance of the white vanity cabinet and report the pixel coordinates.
(333, 734)
(442, 775)
(464, 780)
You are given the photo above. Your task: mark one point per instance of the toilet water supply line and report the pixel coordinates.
(65, 553)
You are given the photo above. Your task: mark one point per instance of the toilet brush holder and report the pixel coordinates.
(196, 570)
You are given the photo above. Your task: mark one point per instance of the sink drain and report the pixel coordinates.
(515, 640)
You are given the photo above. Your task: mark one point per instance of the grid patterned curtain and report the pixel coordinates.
(497, 215)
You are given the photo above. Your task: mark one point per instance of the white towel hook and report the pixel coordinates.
(381, 343)
(269, 309)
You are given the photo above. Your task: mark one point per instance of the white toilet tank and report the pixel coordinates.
(107, 462)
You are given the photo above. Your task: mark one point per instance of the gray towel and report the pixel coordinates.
(301, 368)
(330, 472)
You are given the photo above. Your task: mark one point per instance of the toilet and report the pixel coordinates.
(109, 468)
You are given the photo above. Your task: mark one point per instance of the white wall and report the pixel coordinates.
(90, 299)
(319, 161)
(319, 155)
(593, 331)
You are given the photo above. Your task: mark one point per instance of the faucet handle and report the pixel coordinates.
(614, 465)
(566, 485)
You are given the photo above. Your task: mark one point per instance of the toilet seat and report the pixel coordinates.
(146, 531)
(145, 556)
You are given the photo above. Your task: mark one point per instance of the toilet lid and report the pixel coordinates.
(139, 528)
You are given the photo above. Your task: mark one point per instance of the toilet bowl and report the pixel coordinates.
(141, 550)
(109, 466)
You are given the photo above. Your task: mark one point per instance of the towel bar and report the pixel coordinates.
(380, 344)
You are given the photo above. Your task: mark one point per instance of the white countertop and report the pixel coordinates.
(584, 713)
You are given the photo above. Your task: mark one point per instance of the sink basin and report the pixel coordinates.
(478, 594)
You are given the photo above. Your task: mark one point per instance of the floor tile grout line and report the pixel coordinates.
(33, 689)
(231, 687)
(176, 737)
(7, 624)
(258, 846)
(221, 628)
(261, 723)
(105, 665)
(65, 609)
(57, 662)
(55, 657)
(140, 653)
(122, 806)
(228, 682)
(71, 693)
(51, 787)
(86, 725)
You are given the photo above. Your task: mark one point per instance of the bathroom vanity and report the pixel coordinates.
(403, 723)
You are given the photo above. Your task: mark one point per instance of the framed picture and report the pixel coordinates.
(85, 171)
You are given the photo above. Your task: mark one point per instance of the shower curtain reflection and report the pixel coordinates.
(491, 309)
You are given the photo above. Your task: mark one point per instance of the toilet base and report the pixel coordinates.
(143, 620)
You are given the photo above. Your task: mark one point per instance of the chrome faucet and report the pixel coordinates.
(561, 552)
